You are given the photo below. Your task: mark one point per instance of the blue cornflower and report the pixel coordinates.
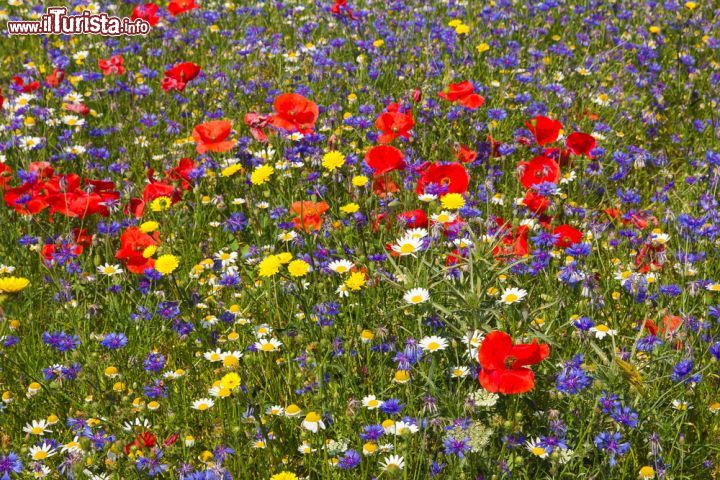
(114, 341)
(154, 362)
(392, 406)
(457, 446)
(372, 432)
(349, 460)
(612, 444)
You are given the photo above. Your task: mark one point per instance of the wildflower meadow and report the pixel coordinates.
(361, 239)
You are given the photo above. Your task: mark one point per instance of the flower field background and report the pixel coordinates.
(362, 239)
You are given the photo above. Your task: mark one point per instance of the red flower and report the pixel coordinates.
(309, 214)
(294, 113)
(568, 236)
(113, 65)
(25, 87)
(536, 203)
(394, 124)
(446, 178)
(143, 440)
(56, 78)
(178, 76)
(413, 219)
(384, 158)
(503, 364)
(5, 174)
(464, 94)
(181, 172)
(77, 108)
(513, 244)
(546, 130)
(538, 170)
(147, 12)
(257, 123)
(580, 143)
(382, 187)
(212, 136)
(465, 154)
(2, 99)
(341, 8)
(133, 243)
(176, 7)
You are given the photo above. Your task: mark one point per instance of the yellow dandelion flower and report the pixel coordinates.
(350, 208)
(269, 266)
(356, 281)
(13, 284)
(261, 174)
(298, 268)
(231, 170)
(166, 264)
(333, 160)
(452, 201)
(160, 204)
(148, 227)
(360, 180)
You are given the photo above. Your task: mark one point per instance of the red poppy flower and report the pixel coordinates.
(465, 154)
(181, 172)
(546, 130)
(5, 174)
(2, 99)
(309, 214)
(384, 158)
(112, 66)
(513, 244)
(536, 203)
(538, 170)
(25, 87)
(294, 113)
(147, 12)
(580, 143)
(56, 78)
(212, 136)
(133, 243)
(504, 364)
(143, 440)
(446, 178)
(257, 123)
(178, 76)
(177, 7)
(382, 187)
(413, 219)
(568, 236)
(394, 124)
(464, 94)
(341, 8)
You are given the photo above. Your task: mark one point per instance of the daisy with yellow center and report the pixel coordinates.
(268, 345)
(433, 344)
(512, 295)
(313, 422)
(416, 296)
(203, 404)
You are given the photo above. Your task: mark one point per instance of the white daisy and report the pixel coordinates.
(392, 463)
(203, 404)
(110, 270)
(340, 266)
(433, 344)
(512, 295)
(371, 402)
(416, 296)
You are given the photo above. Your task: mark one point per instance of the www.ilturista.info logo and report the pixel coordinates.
(56, 21)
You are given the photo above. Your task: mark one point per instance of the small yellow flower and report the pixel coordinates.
(231, 170)
(360, 180)
(356, 281)
(690, 5)
(298, 268)
(455, 23)
(647, 472)
(333, 160)
(452, 201)
(13, 284)
(350, 208)
(284, 257)
(378, 43)
(261, 174)
(269, 266)
(654, 29)
(284, 476)
(462, 29)
(482, 48)
(166, 264)
(160, 204)
(231, 380)
(148, 227)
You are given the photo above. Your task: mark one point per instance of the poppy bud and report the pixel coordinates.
(417, 95)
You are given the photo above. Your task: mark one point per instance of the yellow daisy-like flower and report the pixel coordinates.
(350, 208)
(13, 284)
(148, 227)
(360, 180)
(231, 170)
(261, 174)
(284, 257)
(298, 268)
(166, 264)
(482, 48)
(269, 266)
(231, 380)
(333, 160)
(284, 476)
(462, 29)
(160, 204)
(356, 281)
(452, 201)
